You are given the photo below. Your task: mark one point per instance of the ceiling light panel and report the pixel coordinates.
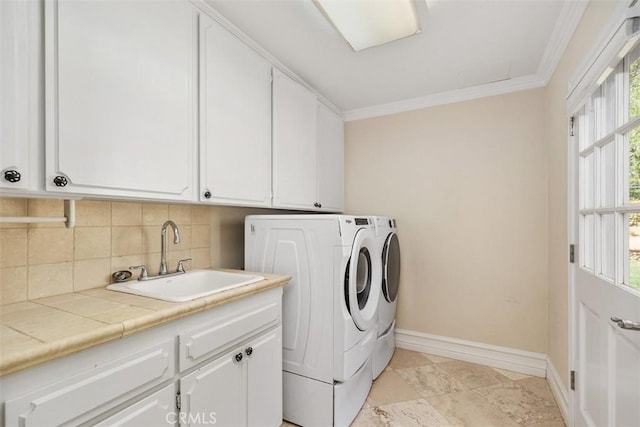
(368, 23)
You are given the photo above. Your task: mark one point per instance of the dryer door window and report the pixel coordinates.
(363, 277)
(363, 280)
(391, 263)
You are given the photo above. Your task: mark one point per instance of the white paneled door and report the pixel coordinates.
(606, 311)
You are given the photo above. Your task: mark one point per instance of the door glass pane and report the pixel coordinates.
(633, 141)
(588, 242)
(598, 112)
(608, 113)
(581, 129)
(608, 246)
(586, 181)
(634, 251)
(607, 175)
(634, 83)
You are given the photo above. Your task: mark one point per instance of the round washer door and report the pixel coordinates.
(391, 267)
(363, 280)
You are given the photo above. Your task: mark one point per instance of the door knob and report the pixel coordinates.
(626, 324)
(12, 175)
(60, 181)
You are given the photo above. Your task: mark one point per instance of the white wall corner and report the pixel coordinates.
(567, 22)
(511, 359)
(559, 390)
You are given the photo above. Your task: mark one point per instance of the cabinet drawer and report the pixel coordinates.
(103, 386)
(225, 330)
(159, 409)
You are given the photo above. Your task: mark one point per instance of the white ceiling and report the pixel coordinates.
(464, 45)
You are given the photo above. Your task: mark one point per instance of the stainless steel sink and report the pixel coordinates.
(185, 287)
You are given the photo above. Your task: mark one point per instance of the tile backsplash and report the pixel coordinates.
(38, 260)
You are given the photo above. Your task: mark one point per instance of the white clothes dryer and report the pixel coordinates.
(390, 268)
(330, 305)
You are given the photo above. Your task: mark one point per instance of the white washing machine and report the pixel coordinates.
(330, 307)
(390, 267)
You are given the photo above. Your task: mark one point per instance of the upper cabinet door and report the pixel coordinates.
(330, 141)
(294, 144)
(235, 119)
(21, 149)
(120, 98)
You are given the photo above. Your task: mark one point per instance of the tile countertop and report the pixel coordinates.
(40, 330)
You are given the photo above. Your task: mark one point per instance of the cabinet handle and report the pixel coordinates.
(317, 205)
(249, 351)
(207, 194)
(239, 357)
(60, 181)
(12, 175)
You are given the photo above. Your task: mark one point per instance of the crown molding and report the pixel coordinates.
(570, 16)
(498, 88)
(567, 22)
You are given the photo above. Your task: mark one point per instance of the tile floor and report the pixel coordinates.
(425, 390)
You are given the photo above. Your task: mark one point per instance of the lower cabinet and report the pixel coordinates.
(230, 391)
(217, 390)
(264, 372)
(137, 380)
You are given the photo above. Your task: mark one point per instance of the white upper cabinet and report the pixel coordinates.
(121, 98)
(330, 151)
(235, 119)
(308, 149)
(294, 144)
(21, 150)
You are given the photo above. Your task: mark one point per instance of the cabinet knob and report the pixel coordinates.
(239, 357)
(207, 194)
(60, 181)
(249, 351)
(12, 175)
(317, 205)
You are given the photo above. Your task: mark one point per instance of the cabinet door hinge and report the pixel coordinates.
(573, 380)
(572, 253)
(178, 401)
(571, 127)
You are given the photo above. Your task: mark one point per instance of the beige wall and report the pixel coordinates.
(467, 183)
(593, 20)
(40, 260)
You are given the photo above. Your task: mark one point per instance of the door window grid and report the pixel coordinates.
(608, 135)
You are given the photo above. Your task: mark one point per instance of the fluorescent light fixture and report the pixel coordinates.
(368, 23)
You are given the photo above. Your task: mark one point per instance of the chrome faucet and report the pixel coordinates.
(163, 248)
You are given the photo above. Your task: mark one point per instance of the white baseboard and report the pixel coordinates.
(524, 362)
(559, 390)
